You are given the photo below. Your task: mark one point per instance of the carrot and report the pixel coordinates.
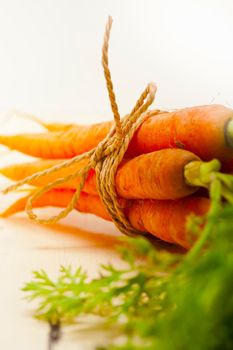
(166, 219)
(163, 219)
(156, 175)
(46, 145)
(55, 126)
(205, 130)
(228, 167)
(20, 171)
(58, 144)
(60, 198)
(48, 126)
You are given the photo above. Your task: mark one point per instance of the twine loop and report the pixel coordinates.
(104, 158)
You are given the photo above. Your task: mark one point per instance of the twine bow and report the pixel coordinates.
(104, 158)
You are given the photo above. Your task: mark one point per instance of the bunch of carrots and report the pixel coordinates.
(165, 176)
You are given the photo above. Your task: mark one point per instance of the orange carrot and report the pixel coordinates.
(49, 126)
(60, 198)
(55, 126)
(205, 130)
(166, 219)
(156, 175)
(58, 144)
(20, 171)
(163, 219)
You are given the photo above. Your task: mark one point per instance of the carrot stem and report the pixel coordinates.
(198, 173)
(227, 180)
(215, 196)
(229, 133)
(228, 195)
(203, 174)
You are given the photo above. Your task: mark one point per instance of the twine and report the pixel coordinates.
(104, 158)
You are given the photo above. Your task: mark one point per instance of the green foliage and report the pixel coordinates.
(159, 300)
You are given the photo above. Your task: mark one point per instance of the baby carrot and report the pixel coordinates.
(204, 130)
(156, 175)
(58, 144)
(164, 219)
(20, 171)
(48, 126)
(55, 126)
(60, 198)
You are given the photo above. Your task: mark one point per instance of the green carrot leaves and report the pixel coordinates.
(158, 300)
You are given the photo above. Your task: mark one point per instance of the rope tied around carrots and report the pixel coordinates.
(105, 158)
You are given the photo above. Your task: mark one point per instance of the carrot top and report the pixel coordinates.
(142, 303)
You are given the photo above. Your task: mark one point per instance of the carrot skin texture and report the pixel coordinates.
(60, 198)
(200, 130)
(44, 145)
(166, 219)
(156, 175)
(67, 143)
(20, 171)
(163, 219)
(56, 126)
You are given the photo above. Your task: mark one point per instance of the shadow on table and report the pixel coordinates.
(97, 239)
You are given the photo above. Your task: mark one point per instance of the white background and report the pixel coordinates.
(50, 65)
(50, 53)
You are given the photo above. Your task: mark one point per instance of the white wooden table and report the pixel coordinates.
(25, 246)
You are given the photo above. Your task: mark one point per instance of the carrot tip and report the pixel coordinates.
(5, 213)
(29, 116)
